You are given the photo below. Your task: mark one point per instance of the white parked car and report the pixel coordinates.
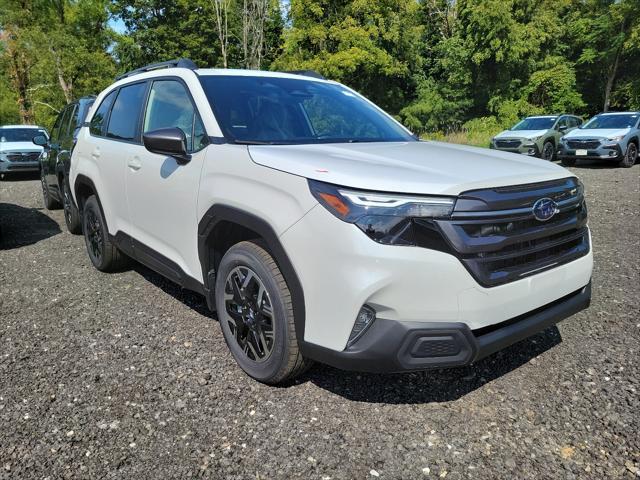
(319, 228)
(18, 153)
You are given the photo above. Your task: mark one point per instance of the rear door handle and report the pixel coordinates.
(134, 163)
(95, 154)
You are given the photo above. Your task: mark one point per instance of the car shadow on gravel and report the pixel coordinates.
(599, 164)
(432, 386)
(22, 226)
(19, 176)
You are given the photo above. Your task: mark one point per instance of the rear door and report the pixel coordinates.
(162, 192)
(116, 132)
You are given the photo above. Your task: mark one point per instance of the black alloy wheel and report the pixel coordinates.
(630, 157)
(548, 151)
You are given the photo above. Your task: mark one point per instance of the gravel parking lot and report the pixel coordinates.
(127, 376)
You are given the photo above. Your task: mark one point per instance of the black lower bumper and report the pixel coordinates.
(393, 346)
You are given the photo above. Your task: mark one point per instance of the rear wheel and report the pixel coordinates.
(49, 202)
(569, 162)
(256, 314)
(630, 156)
(104, 255)
(71, 214)
(548, 151)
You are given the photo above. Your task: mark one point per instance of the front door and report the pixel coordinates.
(162, 191)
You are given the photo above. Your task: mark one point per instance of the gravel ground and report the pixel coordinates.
(126, 376)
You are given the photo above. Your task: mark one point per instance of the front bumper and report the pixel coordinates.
(608, 152)
(525, 148)
(6, 166)
(396, 346)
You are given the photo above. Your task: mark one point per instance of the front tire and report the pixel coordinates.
(104, 255)
(71, 213)
(49, 202)
(255, 312)
(548, 151)
(630, 156)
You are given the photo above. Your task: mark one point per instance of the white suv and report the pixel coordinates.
(319, 228)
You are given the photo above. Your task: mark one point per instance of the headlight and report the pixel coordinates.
(615, 139)
(385, 217)
(534, 139)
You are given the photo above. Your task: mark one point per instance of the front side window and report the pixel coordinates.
(612, 121)
(125, 114)
(535, 123)
(275, 110)
(96, 126)
(169, 105)
(55, 131)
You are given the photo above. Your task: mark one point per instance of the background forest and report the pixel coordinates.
(456, 68)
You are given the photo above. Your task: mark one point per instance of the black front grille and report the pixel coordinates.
(583, 144)
(23, 156)
(498, 239)
(508, 143)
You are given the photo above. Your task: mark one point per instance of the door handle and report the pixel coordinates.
(95, 154)
(134, 163)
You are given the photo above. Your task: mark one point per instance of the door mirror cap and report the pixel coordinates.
(562, 128)
(40, 140)
(171, 142)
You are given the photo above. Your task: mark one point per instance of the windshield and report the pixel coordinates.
(269, 110)
(535, 123)
(19, 134)
(612, 121)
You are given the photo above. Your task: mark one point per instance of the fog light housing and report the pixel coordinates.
(366, 317)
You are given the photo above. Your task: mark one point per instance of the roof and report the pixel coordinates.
(619, 113)
(257, 73)
(543, 116)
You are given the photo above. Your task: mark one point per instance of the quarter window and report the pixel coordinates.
(170, 106)
(96, 126)
(123, 121)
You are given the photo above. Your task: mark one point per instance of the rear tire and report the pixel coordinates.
(71, 213)
(255, 312)
(630, 156)
(49, 202)
(104, 255)
(569, 162)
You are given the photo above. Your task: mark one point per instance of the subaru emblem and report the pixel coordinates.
(544, 209)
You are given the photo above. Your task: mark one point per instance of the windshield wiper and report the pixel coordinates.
(252, 142)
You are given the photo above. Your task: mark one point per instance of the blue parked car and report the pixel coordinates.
(611, 136)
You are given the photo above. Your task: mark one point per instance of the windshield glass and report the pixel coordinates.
(535, 123)
(269, 110)
(19, 134)
(612, 121)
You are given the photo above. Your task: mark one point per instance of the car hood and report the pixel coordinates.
(597, 133)
(19, 147)
(413, 167)
(520, 133)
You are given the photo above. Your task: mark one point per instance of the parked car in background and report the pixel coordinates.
(319, 228)
(17, 151)
(611, 136)
(536, 136)
(54, 162)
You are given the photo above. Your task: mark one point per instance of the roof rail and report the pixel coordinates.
(306, 73)
(176, 63)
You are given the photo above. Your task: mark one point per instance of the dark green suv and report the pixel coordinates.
(536, 136)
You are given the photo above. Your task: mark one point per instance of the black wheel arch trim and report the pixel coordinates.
(219, 213)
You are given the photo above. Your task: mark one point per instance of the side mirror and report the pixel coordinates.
(562, 128)
(40, 140)
(171, 142)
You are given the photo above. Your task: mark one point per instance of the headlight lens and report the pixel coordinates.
(534, 139)
(615, 139)
(385, 217)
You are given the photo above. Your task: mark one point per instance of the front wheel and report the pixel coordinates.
(548, 151)
(630, 156)
(256, 314)
(49, 202)
(71, 214)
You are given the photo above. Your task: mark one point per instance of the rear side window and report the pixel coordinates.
(96, 126)
(125, 114)
(169, 105)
